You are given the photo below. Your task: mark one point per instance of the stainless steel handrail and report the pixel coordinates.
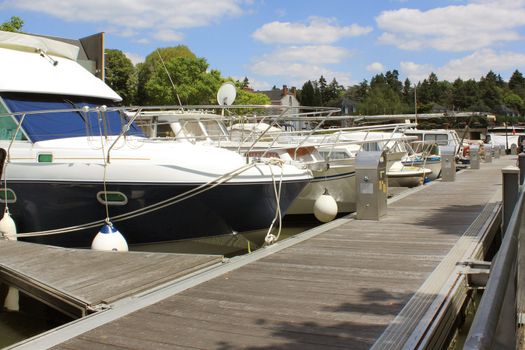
(482, 333)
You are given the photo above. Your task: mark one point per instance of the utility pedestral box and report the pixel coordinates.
(497, 151)
(448, 163)
(488, 154)
(474, 157)
(371, 185)
(513, 149)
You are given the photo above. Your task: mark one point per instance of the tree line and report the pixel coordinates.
(387, 94)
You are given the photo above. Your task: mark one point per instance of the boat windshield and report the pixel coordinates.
(58, 123)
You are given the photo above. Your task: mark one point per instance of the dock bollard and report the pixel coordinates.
(474, 157)
(511, 176)
(521, 165)
(488, 154)
(448, 163)
(371, 185)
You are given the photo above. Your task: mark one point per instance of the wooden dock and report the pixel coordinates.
(81, 281)
(347, 284)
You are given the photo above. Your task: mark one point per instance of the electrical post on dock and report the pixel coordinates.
(448, 163)
(474, 157)
(488, 153)
(372, 185)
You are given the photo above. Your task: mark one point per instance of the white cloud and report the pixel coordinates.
(296, 73)
(132, 15)
(473, 26)
(375, 67)
(168, 35)
(472, 66)
(299, 64)
(323, 54)
(317, 31)
(134, 57)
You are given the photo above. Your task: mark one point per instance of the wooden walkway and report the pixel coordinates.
(78, 281)
(342, 285)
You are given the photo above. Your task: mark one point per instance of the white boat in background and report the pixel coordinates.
(439, 137)
(75, 162)
(261, 141)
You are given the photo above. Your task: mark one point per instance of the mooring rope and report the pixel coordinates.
(271, 238)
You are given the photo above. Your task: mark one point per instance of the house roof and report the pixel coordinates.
(274, 94)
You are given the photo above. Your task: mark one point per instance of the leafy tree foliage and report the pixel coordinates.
(121, 75)
(172, 73)
(307, 97)
(386, 94)
(245, 97)
(14, 24)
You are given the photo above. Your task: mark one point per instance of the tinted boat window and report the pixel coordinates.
(58, 124)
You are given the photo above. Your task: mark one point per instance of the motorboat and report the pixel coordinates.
(261, 141)
(75, 161)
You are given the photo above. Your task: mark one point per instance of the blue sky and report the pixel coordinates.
(290, 41)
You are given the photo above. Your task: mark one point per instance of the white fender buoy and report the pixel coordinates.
(8, 231)
(8, 226)
(325, 207)
(11, 302)
(109, 239)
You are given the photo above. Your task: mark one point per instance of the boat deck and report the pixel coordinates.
(346, 284)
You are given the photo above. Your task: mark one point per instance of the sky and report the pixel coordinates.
(288, 42)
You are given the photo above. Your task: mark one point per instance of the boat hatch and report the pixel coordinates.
(112, 198)
(7, 193)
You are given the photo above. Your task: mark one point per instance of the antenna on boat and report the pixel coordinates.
(226, 94)
(169, 77)
(46, 56)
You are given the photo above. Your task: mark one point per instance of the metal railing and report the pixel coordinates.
(495, 322)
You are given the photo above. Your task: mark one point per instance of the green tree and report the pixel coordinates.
(308, 94)
(251, 98)
(514, 101)
(154, 63)
(179, 74)
(517, 84)
(245, 83)
(491, 91)
(408, 92)
(14, 24)
(321, 86)
(121, 75)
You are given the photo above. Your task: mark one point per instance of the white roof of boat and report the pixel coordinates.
(24, 69)
(32, 43)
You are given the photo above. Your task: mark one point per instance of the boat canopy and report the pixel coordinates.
(38, 72)
(64, 124)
